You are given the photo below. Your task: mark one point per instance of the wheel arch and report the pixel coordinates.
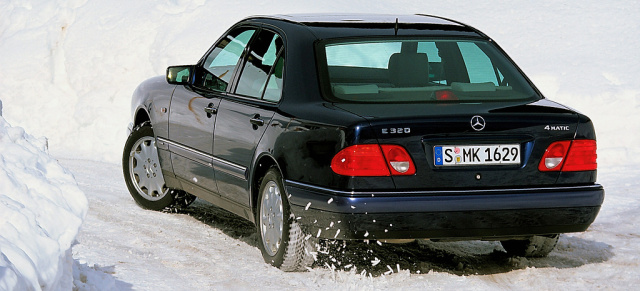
(263, 163)
(141, 116)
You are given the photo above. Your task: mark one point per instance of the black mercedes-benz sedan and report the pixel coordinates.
(364, 127)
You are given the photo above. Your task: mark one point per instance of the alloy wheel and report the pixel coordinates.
(271, 218)
(144, 167)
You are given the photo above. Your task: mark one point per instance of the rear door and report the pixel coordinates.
(244, 115)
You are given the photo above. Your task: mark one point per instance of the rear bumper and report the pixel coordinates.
(477, 214)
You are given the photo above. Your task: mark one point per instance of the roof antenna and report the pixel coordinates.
(396, 28)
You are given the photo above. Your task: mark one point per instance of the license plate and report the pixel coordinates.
(472, 155)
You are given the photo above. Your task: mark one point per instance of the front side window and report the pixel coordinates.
(220, 64)
(261, 75)
(439, 70)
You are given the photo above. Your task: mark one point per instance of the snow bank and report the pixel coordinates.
(93, 278)
(69, 67)
(41, 210)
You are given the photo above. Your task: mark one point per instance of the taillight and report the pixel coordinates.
(570, 156)
(373, 160)
(360, 160)
(399, 160)
(554, 156)
(582, 156)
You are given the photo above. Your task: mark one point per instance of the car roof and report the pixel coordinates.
(335, 18)
(345, 25)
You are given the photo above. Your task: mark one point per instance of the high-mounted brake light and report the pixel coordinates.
(446, 95)
(373, 160)
(570, 156)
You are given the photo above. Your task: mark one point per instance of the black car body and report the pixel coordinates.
(446, 140)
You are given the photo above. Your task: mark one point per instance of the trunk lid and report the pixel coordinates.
(423, 129)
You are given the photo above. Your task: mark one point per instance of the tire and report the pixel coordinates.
(536, 246)
(282, 242)
(143, 174)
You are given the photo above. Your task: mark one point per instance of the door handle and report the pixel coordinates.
(256, 121)
(210, 110)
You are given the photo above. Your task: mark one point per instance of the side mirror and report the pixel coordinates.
(180, 75)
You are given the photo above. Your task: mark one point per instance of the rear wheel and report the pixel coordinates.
(143, 174)
(282, 242)
(535, 246)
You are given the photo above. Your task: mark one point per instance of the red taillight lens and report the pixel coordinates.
(569, 156)
(360, 160)
(373, 160)
(582, 156)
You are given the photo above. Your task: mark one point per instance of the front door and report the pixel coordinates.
(194, 112)
(191, 126)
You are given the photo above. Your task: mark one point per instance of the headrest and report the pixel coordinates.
(409, 69)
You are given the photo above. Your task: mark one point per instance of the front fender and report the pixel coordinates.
(151, 101)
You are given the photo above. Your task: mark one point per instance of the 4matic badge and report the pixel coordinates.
(557, 127)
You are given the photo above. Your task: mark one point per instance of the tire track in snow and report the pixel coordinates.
(205, 247)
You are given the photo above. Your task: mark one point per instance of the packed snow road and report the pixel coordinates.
(122, 246)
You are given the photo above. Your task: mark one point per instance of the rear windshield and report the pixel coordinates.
(389, 71)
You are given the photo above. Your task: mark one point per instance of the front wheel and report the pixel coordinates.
(282, 242)
(535, 246)
(143, 174)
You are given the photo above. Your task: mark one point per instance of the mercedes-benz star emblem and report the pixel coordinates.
(477, 123)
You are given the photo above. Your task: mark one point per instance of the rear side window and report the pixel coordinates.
(383, 71)
(261, 75)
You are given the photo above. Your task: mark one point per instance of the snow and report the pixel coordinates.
(67, 71)
(41, 210)
(206, 248)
